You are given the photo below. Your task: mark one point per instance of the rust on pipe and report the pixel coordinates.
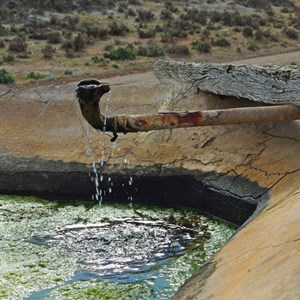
(89, 93)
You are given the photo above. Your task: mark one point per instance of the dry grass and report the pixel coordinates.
(84, 61)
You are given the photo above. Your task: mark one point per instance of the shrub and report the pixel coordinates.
(259, 35)
(147, 33)
(179, 50)
(8, 58)
(122, 7)
(286, 10)
(2, 44)
(76, 45)
(54, 37)
(292, 34)
(252, 47)
(94, 31)
(166, 15)
(118, 29)
(179, 28)
(67, 45)
(196, 16)
(18, 45)
(68, 72)
(48, 51)
(108, 47)
(78, 42)
(54, 20)
(131, 12)
(151, 50)
(102, 32)
(215, 16)
(34, 75)
(38, 34)
(247, 31)
(145, 15)
(203, 47)
(23, 55)
(121, 53)
(95, 59)
(173, 32)
(70, 53)
(6, 77)
(278, 24)
(70, 21)
(222, 42)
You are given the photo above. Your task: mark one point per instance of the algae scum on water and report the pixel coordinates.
(80, 250)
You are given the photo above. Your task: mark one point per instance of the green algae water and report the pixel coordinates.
(80, 250)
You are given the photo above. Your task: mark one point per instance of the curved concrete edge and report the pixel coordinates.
(205, 192)
(262, 260)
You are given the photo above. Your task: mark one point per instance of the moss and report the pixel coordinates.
(35, 256)
(42, 265)
(95, 289)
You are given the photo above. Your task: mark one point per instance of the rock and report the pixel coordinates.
(268, 84)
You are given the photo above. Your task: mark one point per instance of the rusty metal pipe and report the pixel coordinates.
(89, 93)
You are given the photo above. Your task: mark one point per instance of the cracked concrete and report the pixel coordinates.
(45, 133)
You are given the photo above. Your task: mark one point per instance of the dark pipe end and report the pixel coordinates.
(91, 90)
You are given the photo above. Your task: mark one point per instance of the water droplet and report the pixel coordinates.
(130, 182)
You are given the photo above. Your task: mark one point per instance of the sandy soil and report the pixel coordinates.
(142, 73)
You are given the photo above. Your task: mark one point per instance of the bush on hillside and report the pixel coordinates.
(292, 34)
(48, 51)
(147, 33)
(6, 77)
(121, 53)
(54, 37)
(116, 29)
(34, 75)
(151, 50)
(247, 31)
(203, 47)
(179, 50)
(18, 44)
(222, 42)
(145, 15)
(9, 58)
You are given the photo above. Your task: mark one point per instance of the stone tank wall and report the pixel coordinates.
(42, 151)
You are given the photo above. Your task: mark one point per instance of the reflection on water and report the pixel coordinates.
(120, 246)
(72, 249)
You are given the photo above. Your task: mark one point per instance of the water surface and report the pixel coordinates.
(80, 250)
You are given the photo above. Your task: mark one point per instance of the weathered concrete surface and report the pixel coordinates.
(41, 132)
